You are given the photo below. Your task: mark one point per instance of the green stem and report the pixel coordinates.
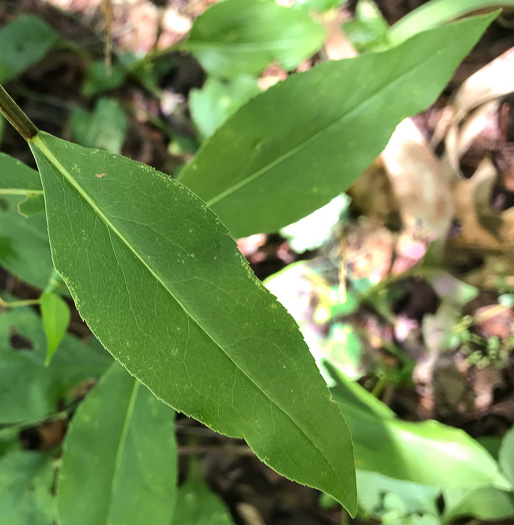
(13, 113)
(19, 191)
(15, 304)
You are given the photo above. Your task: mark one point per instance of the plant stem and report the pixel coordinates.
(13, 113)
(15, 304)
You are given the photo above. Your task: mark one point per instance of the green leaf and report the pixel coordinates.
(119, 465)
(318, 5)
(197, 505)
(26, 481)
(436, 13)
(104, 128)
(56, 318)
(18, 179)
(238, 37)
(24, 249)
(373, 488)
(368, 29)
(29, 390)
(24, 42)
(98, 80)
(164, 288)
(217, 100)
(487, 503)
(279, 158)
(506, 457)
(392, 447)
(32, 205)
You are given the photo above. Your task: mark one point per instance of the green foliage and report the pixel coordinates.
(402, 444)
(22, 240)
(56, 318)
(278, 159)
(436, 13)
(129, 473)
(29, 390)
(99, 80)
(24, 43)
(238, 37)
(160, 282)
(368, 29)
(212, 105)
(317, 5)
(26, 481)
(507, 456)
(137, 273)
(197, 505)
(104, 128)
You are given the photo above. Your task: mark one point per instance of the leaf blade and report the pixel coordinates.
(278, 159)
(237, 37)
(186, 270)
(127, 472)
(56, 318)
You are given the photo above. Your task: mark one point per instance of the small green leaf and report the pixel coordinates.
(24, 42)
(56, 318)
(164, 288)
(507, 456)
(29, 390)
(368, 29)
(26, 481)
(217, 100)
(98, 80)
(119, 465)
(32, 205)
(104, 128)
(279, 158)
(237, 37)
(197, 505)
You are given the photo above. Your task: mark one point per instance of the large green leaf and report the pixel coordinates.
(237, 37)
(29, 390)
(298, 145)
(24, 249)
(24, 42)
(423, 453)
(164, 288)
(197, 505)
(120, 458)
(26, 481)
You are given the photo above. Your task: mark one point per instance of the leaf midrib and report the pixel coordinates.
(312, 138)
(40, 144)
